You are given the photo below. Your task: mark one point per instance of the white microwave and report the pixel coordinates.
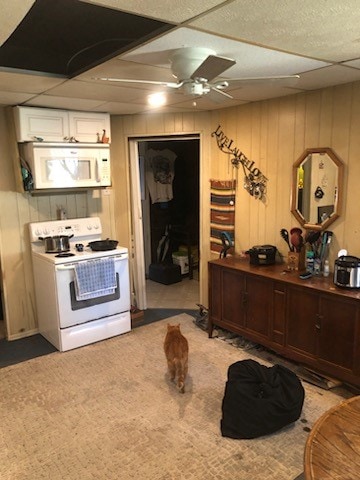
(59, 165)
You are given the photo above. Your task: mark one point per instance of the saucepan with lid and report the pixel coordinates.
(56, 243)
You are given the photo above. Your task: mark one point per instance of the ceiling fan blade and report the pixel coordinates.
(149, 82)
(218, 90)
(291, 79)
(212, 67)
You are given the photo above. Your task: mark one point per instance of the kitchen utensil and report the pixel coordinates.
(325, 243)
(227, 243)
(296, 230)
(312, 236)
(285, 235)
(296, 240)
(56, 243)
(102, 245)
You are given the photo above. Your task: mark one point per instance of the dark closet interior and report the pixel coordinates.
(178, 219)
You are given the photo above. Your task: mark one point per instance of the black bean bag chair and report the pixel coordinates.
(259, 400)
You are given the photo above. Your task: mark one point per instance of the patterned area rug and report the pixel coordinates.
(109, 411)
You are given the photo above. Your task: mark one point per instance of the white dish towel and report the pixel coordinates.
(94, 278)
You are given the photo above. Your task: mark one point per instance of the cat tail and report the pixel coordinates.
(181, 376)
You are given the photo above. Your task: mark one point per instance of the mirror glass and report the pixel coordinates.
(317, 188)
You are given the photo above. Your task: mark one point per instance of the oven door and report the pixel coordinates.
(73, 312)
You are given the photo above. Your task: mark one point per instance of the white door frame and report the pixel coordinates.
(138, 237)
(136, 214)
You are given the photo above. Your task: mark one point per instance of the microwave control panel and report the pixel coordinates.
(105, 171)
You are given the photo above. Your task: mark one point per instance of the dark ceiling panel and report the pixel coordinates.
(68, 37)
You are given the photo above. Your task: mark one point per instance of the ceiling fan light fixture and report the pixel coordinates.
(157, 99)
(194, 88)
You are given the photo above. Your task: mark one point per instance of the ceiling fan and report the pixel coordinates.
(196, 70)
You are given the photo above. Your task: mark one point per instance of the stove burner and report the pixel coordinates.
(65, 255)
(56, 251)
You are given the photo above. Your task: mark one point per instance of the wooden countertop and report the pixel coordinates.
(332, 451)
(280, 273)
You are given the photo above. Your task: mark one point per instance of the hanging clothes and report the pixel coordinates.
(160, 173)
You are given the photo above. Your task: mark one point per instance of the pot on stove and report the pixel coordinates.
(56, 243)
(103, 245)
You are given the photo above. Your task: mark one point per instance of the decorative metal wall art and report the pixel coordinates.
(255, 181)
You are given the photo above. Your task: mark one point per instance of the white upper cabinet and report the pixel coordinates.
(50, 125)
(86, 126)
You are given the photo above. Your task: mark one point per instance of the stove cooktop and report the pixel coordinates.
(80, 230)
(74, 256)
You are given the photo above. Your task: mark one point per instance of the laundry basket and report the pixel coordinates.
(180, 259)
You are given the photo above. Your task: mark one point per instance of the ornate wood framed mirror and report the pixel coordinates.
(317, 188)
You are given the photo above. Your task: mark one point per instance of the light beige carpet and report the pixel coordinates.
(108, 411)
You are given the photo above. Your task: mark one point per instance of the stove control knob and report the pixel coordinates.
(89, 227)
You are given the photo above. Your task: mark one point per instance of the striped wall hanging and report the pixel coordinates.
(222, 212)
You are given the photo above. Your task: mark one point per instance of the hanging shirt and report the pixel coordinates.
(160, 172)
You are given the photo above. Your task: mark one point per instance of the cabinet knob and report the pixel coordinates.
(244, 298)
(317, 326)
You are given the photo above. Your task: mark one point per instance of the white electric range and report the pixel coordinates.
(64, 319)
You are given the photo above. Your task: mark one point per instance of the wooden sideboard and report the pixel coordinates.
(309, 321)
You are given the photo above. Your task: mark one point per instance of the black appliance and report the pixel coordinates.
(262, 255)
(347, 272)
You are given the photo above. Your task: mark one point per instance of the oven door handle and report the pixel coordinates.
(71, 266)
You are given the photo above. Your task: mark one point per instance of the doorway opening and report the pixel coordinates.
(169, 221)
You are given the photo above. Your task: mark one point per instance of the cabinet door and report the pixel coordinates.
(85, 126)
(50, 125)
(303, 310)
(337, 331)
(258, 305)
(233, 298)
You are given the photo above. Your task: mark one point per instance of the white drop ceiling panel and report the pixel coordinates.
(320, 41)
(324, 29)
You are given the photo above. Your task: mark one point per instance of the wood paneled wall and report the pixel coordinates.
(272, 133)
(16, 212)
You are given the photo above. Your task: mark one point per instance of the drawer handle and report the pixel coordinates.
(318, 322)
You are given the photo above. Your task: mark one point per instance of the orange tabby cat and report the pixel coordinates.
(176, 351)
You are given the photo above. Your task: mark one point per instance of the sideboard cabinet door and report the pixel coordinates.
(302, 318)
(233, 299)
(337, 332)
(259, 292)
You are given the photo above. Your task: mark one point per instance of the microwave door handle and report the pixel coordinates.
(97, 175)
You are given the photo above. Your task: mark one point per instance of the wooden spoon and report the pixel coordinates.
(285, 235)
